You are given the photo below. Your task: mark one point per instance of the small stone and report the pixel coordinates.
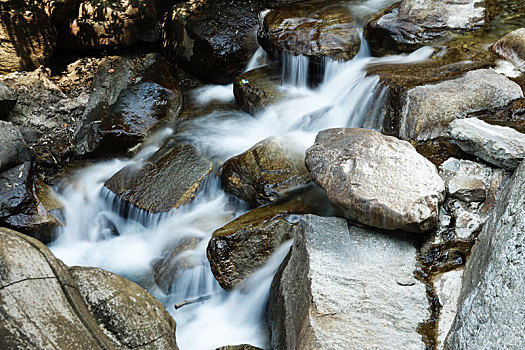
(465, 180)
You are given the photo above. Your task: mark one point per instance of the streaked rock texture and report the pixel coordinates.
(512, 48)
(375, 179)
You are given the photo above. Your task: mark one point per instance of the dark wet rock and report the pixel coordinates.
(465, 180)
(27, 37)
(167, 270)
(315, 29)
(501, 146)
(59, 10)
(239, 248)
(26, 202)
(214, 40)
(166, 180)
(439, 150)
(512, 48)
(130, 97)
(7, 101)
(331, 292)
(13, 148)
(43, 305)
(512, 116)
(107, 227)
(124, 310)
(256, 89)
(411, 24)
(110, 23)
(375, 179)
(261, 174)
(490, 307)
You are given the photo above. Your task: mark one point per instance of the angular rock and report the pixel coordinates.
(465, 180)
(110, 23)
(331, 292)
(512, 48)
(13, 149)
(261, 174)
(447, 287)
(258, 88)
(502, 146)
(411, 24)
(315, 29)
(427, 110)
(375, 179)
(7, 100)
(166, 180)
(490, 306)
(27, 37)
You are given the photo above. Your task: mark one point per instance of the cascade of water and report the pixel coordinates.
(295, 70)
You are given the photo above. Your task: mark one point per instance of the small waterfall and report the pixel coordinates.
(295, 70)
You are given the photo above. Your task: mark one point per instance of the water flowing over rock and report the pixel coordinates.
(27, 37)
(512, 48)
(261, 174)
(109, 23)
(491, 307)
(375, 179)
(258, 88)
(7, 100)
(166, 180)
(465, 180)
(501, 146)
(332, 292)
(411, 24)
(13, 148)
(43, 306)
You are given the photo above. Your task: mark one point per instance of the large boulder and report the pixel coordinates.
(13, 148)
(166, 180)
(512, 48)
(498, 145)
(28, 38)
(345, 287)
(491, 307)
(261, 174)
(110, 23)
(411, 24)
(130, 97)
(7, 100)
(44, 306)
(375, 179)
(258, 88)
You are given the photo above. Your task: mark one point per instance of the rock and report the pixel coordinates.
(375, 179)
(411, 24)
(439, 150)
(331, 292)
(212, 39)
(166, 180)
(502, 146)
(315, 29)
(28, 38)
(465, 180)
(261, 174)
(13, 149)
(258, 88)
(447, 287)
(7, 101)
(110, 23)
(125, 310)
(490, 306)
(42, 304)
(427, 110)
(130, 97)
(512, 48)
(59, 10)
(512, 116)
(239, 347)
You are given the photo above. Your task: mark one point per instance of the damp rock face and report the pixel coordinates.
(261, 174)
(512, 48)
(411, 24)
(7, 101)
(490, 307)
(13, 148)
(256, 89)
(502, 146)
(166, 180)
(332, 293)
(377, 180)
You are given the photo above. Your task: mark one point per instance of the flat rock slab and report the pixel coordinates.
(375, 179)
(502, 146)
(491, 304)
(347, 288)
(512, 48)
(166, 180)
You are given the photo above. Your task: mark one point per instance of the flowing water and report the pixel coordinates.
(95, 234)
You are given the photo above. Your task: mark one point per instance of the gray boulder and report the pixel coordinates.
(345, 287)
(491, 307)
(502, 146)
(512, 48)
(465, 180)
(375, 179)
(13, 148)
(7, 100)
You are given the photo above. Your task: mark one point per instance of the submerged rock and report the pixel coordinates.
(512, 48)
(375, 179)
(501, 146)
(7, 101)
(491, 307)
(166, 180)
(331, 292)
(465, 180)
(256, 89)
(264, 172)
